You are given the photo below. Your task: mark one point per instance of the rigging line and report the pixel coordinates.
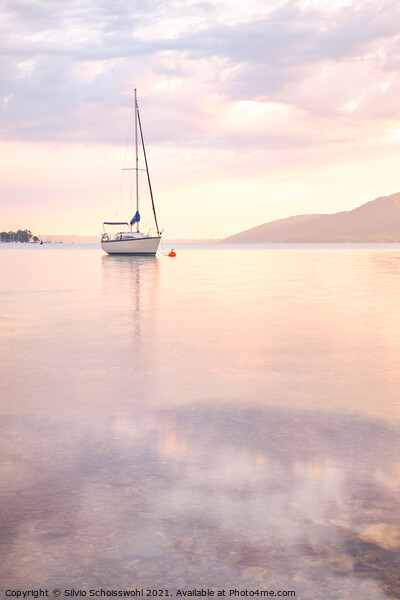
(127, 145)
(162, 248)
(147, 170)
(119, 200)
(119, 207)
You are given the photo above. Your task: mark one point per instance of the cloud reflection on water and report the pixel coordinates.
(214, 496)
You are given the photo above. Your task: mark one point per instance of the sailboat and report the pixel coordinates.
(133, 241)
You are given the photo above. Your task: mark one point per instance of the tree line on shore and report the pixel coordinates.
(22, 235)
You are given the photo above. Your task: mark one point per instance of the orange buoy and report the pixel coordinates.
(172, 253)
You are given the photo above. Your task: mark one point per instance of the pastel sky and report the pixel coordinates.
(252, 111)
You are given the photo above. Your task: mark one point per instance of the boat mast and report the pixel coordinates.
(137, 158)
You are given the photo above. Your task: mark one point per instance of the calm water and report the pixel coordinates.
(227, 419)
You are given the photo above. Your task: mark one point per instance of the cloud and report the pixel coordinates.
(68, 70)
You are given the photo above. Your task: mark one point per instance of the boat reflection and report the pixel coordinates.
(130, 289)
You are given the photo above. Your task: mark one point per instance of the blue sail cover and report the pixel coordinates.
(136, 218)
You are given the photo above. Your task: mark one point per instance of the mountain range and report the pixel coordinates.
(375, 221)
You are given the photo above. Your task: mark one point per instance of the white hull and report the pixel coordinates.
(135, 246)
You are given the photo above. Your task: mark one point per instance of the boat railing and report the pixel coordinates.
(152, 232)
(114, 223)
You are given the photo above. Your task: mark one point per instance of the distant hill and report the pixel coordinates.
(95, 239)
(70, 239)
(375, 221)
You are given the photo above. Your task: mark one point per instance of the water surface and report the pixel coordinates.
(227, 419)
